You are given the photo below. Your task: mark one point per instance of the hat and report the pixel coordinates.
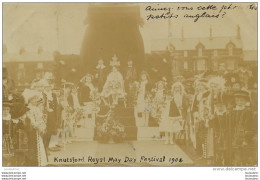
(219, 81)
(56, 91)
(5, 73)
(206, 94)
(18, 110)
(178, 78)
(67, 84)
(241, 93)
(7, 102)
(188, 85)
(29, 94)
(252, 82)
(101, 60)
(209, 74)
(39, 67)
(48, 76)
(164, 83)
(40, 85)
(114, 61)
(232, 78)
(146, 74)
(17, 97)
(201, 81)
(88, 75)
(178, 84)
(222, 64)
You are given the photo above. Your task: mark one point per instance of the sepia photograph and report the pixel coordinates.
(129, 84)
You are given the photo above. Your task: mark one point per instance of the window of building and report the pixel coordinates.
(215, 53)
(19, 75)
(230, 65)
(230, 50)
(200, 51)
(39, 65)
(215, 65)
(185, 54)
(175, 66)
(20, 65)
(185, 65)
(201, 65)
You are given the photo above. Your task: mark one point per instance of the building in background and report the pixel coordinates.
(24, 66)
(169, 56)
(196, 55)
(250, 57)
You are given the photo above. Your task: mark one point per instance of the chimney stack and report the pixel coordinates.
(210, 33)
(40, 50)
(4, 49)
(21, 51)
(169, 28)
(182, 33)
(238, 32)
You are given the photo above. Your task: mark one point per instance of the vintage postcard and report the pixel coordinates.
(129, 84)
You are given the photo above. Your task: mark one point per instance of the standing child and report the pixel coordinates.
(142, 100)
(8, 148)
(174, 113)
(36, 128)
(20, 134)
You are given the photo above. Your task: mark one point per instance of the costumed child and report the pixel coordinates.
(66, 114)
(201, 90)
(173, 114)
(100, 75)
(220, 124)
(130, 75)
(158, 99)
(201, 87)
(88, 98)
(77, 111)
(36, 128)
(206, 133)
(242, 139)
(52, 112)
(159, 103)
(8, 146)
(181, 101)
(86, 89)
(142, 102)
(20, 133)
(114, 85)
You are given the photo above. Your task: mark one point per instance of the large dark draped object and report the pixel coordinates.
(112, 28)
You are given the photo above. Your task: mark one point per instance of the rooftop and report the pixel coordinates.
(27, 57)
(191, 43)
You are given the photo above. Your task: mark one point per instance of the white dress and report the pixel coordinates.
(158, 104)
(141, 104)
(75, 100)
(169, 124)
(36, 117)
(114, 85)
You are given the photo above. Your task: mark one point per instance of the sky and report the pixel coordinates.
(30, 25)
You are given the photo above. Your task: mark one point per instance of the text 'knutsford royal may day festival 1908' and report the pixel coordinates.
(209, 11)
(126, 159)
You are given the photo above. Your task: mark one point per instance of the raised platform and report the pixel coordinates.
(126, 117)
(148, 133)
(84, 134)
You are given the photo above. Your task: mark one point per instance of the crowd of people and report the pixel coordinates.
(215, 111)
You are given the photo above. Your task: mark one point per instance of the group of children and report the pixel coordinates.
(218, 116)
(38, 120)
